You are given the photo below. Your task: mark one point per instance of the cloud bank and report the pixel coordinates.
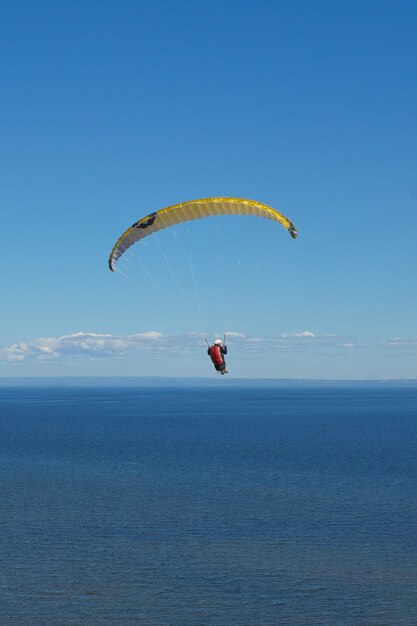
(101, 346)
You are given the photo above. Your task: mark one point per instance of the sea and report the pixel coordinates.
(175, 505)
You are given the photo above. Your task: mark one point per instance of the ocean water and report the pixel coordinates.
(168, 506)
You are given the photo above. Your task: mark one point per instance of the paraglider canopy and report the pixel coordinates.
(193, 210)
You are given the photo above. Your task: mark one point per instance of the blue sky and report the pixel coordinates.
(111, 110)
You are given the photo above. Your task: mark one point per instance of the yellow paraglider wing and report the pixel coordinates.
(194, 210)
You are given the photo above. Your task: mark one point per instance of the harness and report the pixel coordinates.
(216, 356)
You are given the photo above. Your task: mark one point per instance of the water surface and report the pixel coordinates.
(208, 506)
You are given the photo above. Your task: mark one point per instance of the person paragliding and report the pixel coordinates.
(190, 210)
(217, 353)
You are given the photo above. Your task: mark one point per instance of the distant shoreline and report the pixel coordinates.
(160, 381)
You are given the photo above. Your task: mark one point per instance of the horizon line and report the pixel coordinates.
(195, 380)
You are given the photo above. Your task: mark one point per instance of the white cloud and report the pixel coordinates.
(401, 343)
(80, 343)
(301, 341)
(15, 352)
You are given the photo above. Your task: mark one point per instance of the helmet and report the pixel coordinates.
(218, 342)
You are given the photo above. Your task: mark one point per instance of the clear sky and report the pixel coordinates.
(113, 109)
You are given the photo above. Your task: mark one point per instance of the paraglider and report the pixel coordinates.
(194, 210)
(217, 353)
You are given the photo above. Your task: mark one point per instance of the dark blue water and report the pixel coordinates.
(208, 506)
